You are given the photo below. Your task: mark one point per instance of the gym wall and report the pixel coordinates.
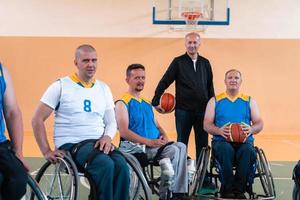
(38, 39)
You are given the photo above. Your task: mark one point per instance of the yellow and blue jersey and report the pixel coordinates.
(2, 91)
(232, 110)
(141, 116)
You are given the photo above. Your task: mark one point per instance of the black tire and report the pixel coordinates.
(201, 169)
(33, 191)
(296, 193)
(265, 174)
(60, 180)
(139, 186)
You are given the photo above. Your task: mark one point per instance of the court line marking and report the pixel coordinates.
(34, 173)
(84, 183)
(277, 164)
(291, 143)
(282, 178)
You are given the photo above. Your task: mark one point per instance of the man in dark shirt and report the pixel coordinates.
(193, 78)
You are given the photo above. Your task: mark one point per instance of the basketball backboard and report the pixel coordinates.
(173, 12)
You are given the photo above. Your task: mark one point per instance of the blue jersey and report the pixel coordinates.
(2, 91)
(232, 110)
(141, 117)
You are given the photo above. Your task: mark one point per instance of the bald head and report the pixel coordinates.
(192, 34)
(192, 44)
(84, 48)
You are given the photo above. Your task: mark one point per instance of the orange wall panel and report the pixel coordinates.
(270, 70)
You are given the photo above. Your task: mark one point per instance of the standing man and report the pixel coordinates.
(138, 126)
(233, 107)
(193, 78)
(13, 176)
(84, 111)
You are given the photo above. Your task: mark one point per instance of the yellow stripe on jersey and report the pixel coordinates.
(224, 95)
(127, 97)
(74, 77)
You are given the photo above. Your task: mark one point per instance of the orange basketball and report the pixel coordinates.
(237, 134)
(167, 102)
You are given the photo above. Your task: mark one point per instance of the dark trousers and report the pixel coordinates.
(110, 172)
(243, 156)
(13, 176)
(185, 120)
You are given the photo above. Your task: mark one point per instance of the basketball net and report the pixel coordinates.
(191, 22)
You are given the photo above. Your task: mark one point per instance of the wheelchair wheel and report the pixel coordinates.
(60, 180)
(139, 188)
(199, 176)
(265, 175)
(33, 191)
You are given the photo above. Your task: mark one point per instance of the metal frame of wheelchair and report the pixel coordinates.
(263, 172)
(150, 172)
(61, 180)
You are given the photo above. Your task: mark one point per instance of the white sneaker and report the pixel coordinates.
(166, 168)
(191, 169)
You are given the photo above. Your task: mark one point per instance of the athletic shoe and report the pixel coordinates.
(191, 169)
(167, 171)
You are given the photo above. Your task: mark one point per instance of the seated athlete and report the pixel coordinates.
(84, 110)
(13, 176)
(137, 124)
(233, 107)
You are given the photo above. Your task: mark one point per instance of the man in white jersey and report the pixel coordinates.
(85, 122)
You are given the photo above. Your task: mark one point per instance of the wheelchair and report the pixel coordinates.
(33, 191)
(261, 170)
(151, 171)
(61, 180)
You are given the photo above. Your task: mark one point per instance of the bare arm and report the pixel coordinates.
(209, 118)
(257, 122)
(13, 118)
(123, 122)
(40, 116)
(13, 115)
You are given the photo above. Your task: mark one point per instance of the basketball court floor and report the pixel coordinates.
(281, 151)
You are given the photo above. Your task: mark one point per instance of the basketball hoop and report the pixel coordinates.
(191, 18)
(191, 22)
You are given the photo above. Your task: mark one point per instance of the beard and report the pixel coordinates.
(139, 88)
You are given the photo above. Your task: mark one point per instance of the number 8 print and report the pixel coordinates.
(87, 105)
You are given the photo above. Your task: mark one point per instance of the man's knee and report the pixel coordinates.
(247, 150)
(102, 161)
(170, 151)
(120, 164)
(100, 170)
(181, 146)
(223, 149)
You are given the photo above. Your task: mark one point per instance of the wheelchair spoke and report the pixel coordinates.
(58, 181)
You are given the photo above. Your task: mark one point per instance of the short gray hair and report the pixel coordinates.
(84, 47)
